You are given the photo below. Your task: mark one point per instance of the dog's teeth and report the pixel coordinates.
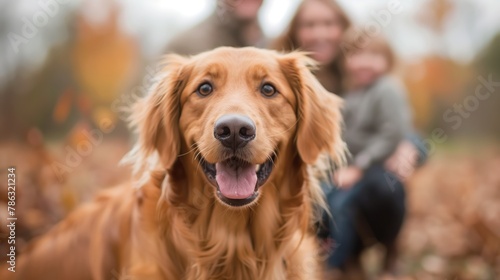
(257, 167)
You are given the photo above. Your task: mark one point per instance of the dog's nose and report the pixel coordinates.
(234, 131)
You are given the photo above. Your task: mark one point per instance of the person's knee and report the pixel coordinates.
(382, 183)
(339, 201)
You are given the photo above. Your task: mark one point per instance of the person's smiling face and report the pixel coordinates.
(320, 30)
(244, 10)
(366, 65)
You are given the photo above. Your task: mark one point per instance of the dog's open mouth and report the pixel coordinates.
(237, 181)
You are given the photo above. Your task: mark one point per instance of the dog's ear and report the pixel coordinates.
(318, 111)
(157, 115)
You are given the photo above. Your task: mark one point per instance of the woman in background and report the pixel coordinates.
(318, 27)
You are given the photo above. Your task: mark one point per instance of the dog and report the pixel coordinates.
(227, 141)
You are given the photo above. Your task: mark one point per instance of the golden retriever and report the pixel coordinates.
(226, 143)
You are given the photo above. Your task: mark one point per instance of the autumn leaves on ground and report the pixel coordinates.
(452, 230)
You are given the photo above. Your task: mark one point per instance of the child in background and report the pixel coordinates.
(368, 202)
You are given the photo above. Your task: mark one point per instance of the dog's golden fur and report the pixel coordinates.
(172, 226)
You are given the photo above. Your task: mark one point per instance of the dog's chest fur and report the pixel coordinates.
(209, 241)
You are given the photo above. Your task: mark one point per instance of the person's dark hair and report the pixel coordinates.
(288, 41)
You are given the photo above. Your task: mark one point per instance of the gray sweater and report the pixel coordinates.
(376, 120)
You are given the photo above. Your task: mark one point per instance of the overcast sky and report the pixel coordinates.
(154, 22)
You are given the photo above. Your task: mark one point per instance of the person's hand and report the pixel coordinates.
(403, 161)
(346, 177)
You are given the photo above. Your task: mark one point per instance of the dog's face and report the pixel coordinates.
(234, 111)
(237, 110)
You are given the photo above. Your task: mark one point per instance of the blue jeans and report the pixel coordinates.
(378, 199)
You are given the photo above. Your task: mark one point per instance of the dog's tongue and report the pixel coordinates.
(236, 181)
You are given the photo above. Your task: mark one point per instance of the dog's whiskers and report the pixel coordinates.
(190, 151)
(272, 157)
(198, 156)
(284, 131)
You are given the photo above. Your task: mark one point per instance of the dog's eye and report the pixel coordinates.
(205, 89)
(268, 90)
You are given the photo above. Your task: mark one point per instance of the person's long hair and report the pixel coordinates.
(288, 41)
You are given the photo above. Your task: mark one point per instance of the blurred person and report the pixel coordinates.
(368, 202)
(234, 23)
(318, 27)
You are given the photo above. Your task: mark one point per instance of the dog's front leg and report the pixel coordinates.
(303, 262)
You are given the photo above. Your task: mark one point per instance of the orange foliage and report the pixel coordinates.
(432, 79)
(104, 58)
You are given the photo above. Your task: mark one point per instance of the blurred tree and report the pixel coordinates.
(104, 61)
(487, 65)
(33, 79)
(488, 60)
(77, 81)
(435, 13)
(434, 83)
